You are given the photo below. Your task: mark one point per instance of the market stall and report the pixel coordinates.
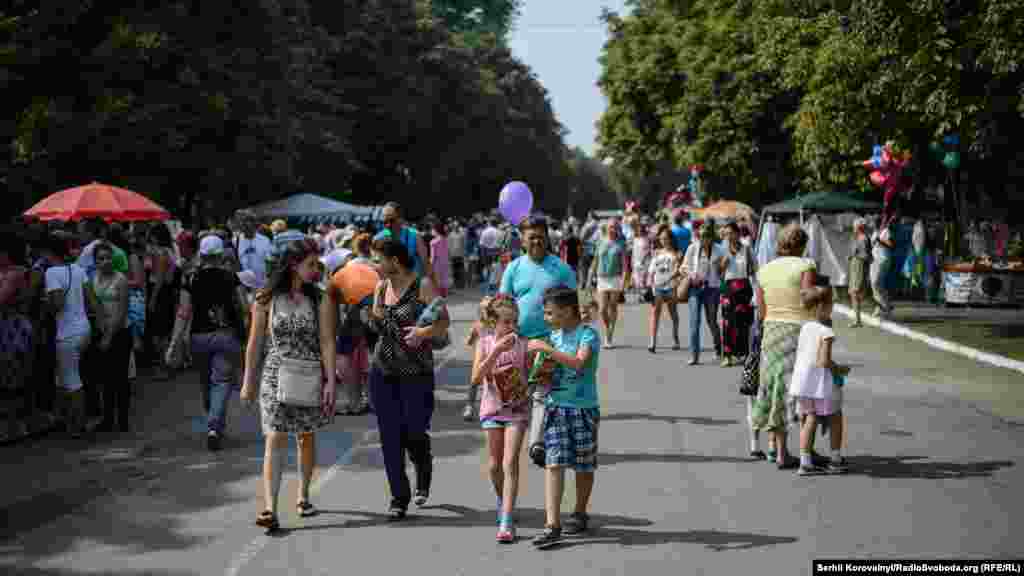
(984, 282)
(312, 209)
(826, 216)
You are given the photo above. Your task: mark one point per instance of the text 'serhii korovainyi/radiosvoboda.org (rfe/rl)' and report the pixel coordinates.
(917, 567)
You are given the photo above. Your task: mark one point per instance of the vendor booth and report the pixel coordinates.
(827, 217)
(984, 282)
(310, 209)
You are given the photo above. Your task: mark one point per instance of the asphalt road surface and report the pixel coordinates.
(935, 444)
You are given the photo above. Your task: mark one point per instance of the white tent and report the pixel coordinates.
(827, 217)
(313, 209)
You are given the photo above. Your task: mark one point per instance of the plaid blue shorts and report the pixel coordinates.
(570, 438)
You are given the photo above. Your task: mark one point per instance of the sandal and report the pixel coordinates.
(305, 509)
(268, 520)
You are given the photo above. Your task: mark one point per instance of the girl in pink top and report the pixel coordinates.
(500, 366)
(439, 258)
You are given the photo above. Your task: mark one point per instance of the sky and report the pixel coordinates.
(561, 41)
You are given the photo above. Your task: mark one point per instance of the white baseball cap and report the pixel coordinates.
(334, 259)
(250, 279)
(211, 245)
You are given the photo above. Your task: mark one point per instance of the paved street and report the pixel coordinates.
(936, 444)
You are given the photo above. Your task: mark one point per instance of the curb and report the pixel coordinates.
(941, 344)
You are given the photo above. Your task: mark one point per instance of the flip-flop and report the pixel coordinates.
(305, 509)
(268, 521)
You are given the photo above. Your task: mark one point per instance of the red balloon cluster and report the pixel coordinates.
(887, 171)
(678, 199)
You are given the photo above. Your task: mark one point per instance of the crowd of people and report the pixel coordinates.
(87, 307)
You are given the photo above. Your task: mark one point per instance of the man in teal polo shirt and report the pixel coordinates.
(394, 227)
(527, 278)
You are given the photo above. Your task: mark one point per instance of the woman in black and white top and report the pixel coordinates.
(737, 302)
(402, 371)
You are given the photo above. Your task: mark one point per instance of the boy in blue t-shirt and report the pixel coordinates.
(573, 412)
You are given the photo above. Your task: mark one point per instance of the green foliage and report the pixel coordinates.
(768, 93)
(198, 102)
(476, 18)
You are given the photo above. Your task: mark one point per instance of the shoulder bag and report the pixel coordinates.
(683, 287)
(750, 378)
(299, 382)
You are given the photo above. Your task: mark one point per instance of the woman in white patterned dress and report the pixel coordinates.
(292, 302)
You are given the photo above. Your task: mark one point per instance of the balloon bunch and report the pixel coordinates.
(888, 172)
(681, 197)
(947, 152)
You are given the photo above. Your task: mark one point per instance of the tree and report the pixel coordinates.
(202, 106)
(768, 93)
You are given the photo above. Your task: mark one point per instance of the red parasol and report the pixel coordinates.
(98, 201)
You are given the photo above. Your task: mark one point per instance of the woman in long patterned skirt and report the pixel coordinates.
(783, 286)
(737, 305)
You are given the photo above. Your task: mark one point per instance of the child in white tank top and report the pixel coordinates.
(817, 386)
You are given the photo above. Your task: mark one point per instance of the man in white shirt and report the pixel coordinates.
(457, 253)
(252, 248)
(490, 239)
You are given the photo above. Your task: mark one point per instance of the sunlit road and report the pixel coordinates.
(932, 476)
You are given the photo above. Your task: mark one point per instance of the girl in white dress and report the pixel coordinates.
(817, 387)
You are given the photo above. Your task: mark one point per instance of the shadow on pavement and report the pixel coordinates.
(51, 571)
(697, 420)
(712, 539)
(460, 517)
(606, 528)
(916, 467)
(441, 446)
(894, 432)
(613, 459)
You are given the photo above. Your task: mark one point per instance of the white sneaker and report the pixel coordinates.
(467, 413)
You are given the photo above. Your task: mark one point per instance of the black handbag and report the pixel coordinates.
(648, 295)
(750, 377)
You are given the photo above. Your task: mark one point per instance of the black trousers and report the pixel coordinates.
(108, 370)
(404, 406)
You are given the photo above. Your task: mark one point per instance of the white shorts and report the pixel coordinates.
(609, 284)
(69, 360)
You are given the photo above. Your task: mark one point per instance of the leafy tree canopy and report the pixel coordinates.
(203, 106)
(775, 94)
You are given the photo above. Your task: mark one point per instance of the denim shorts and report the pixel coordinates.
(492, 424)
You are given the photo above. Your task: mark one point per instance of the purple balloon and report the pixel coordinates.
(515, 202)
